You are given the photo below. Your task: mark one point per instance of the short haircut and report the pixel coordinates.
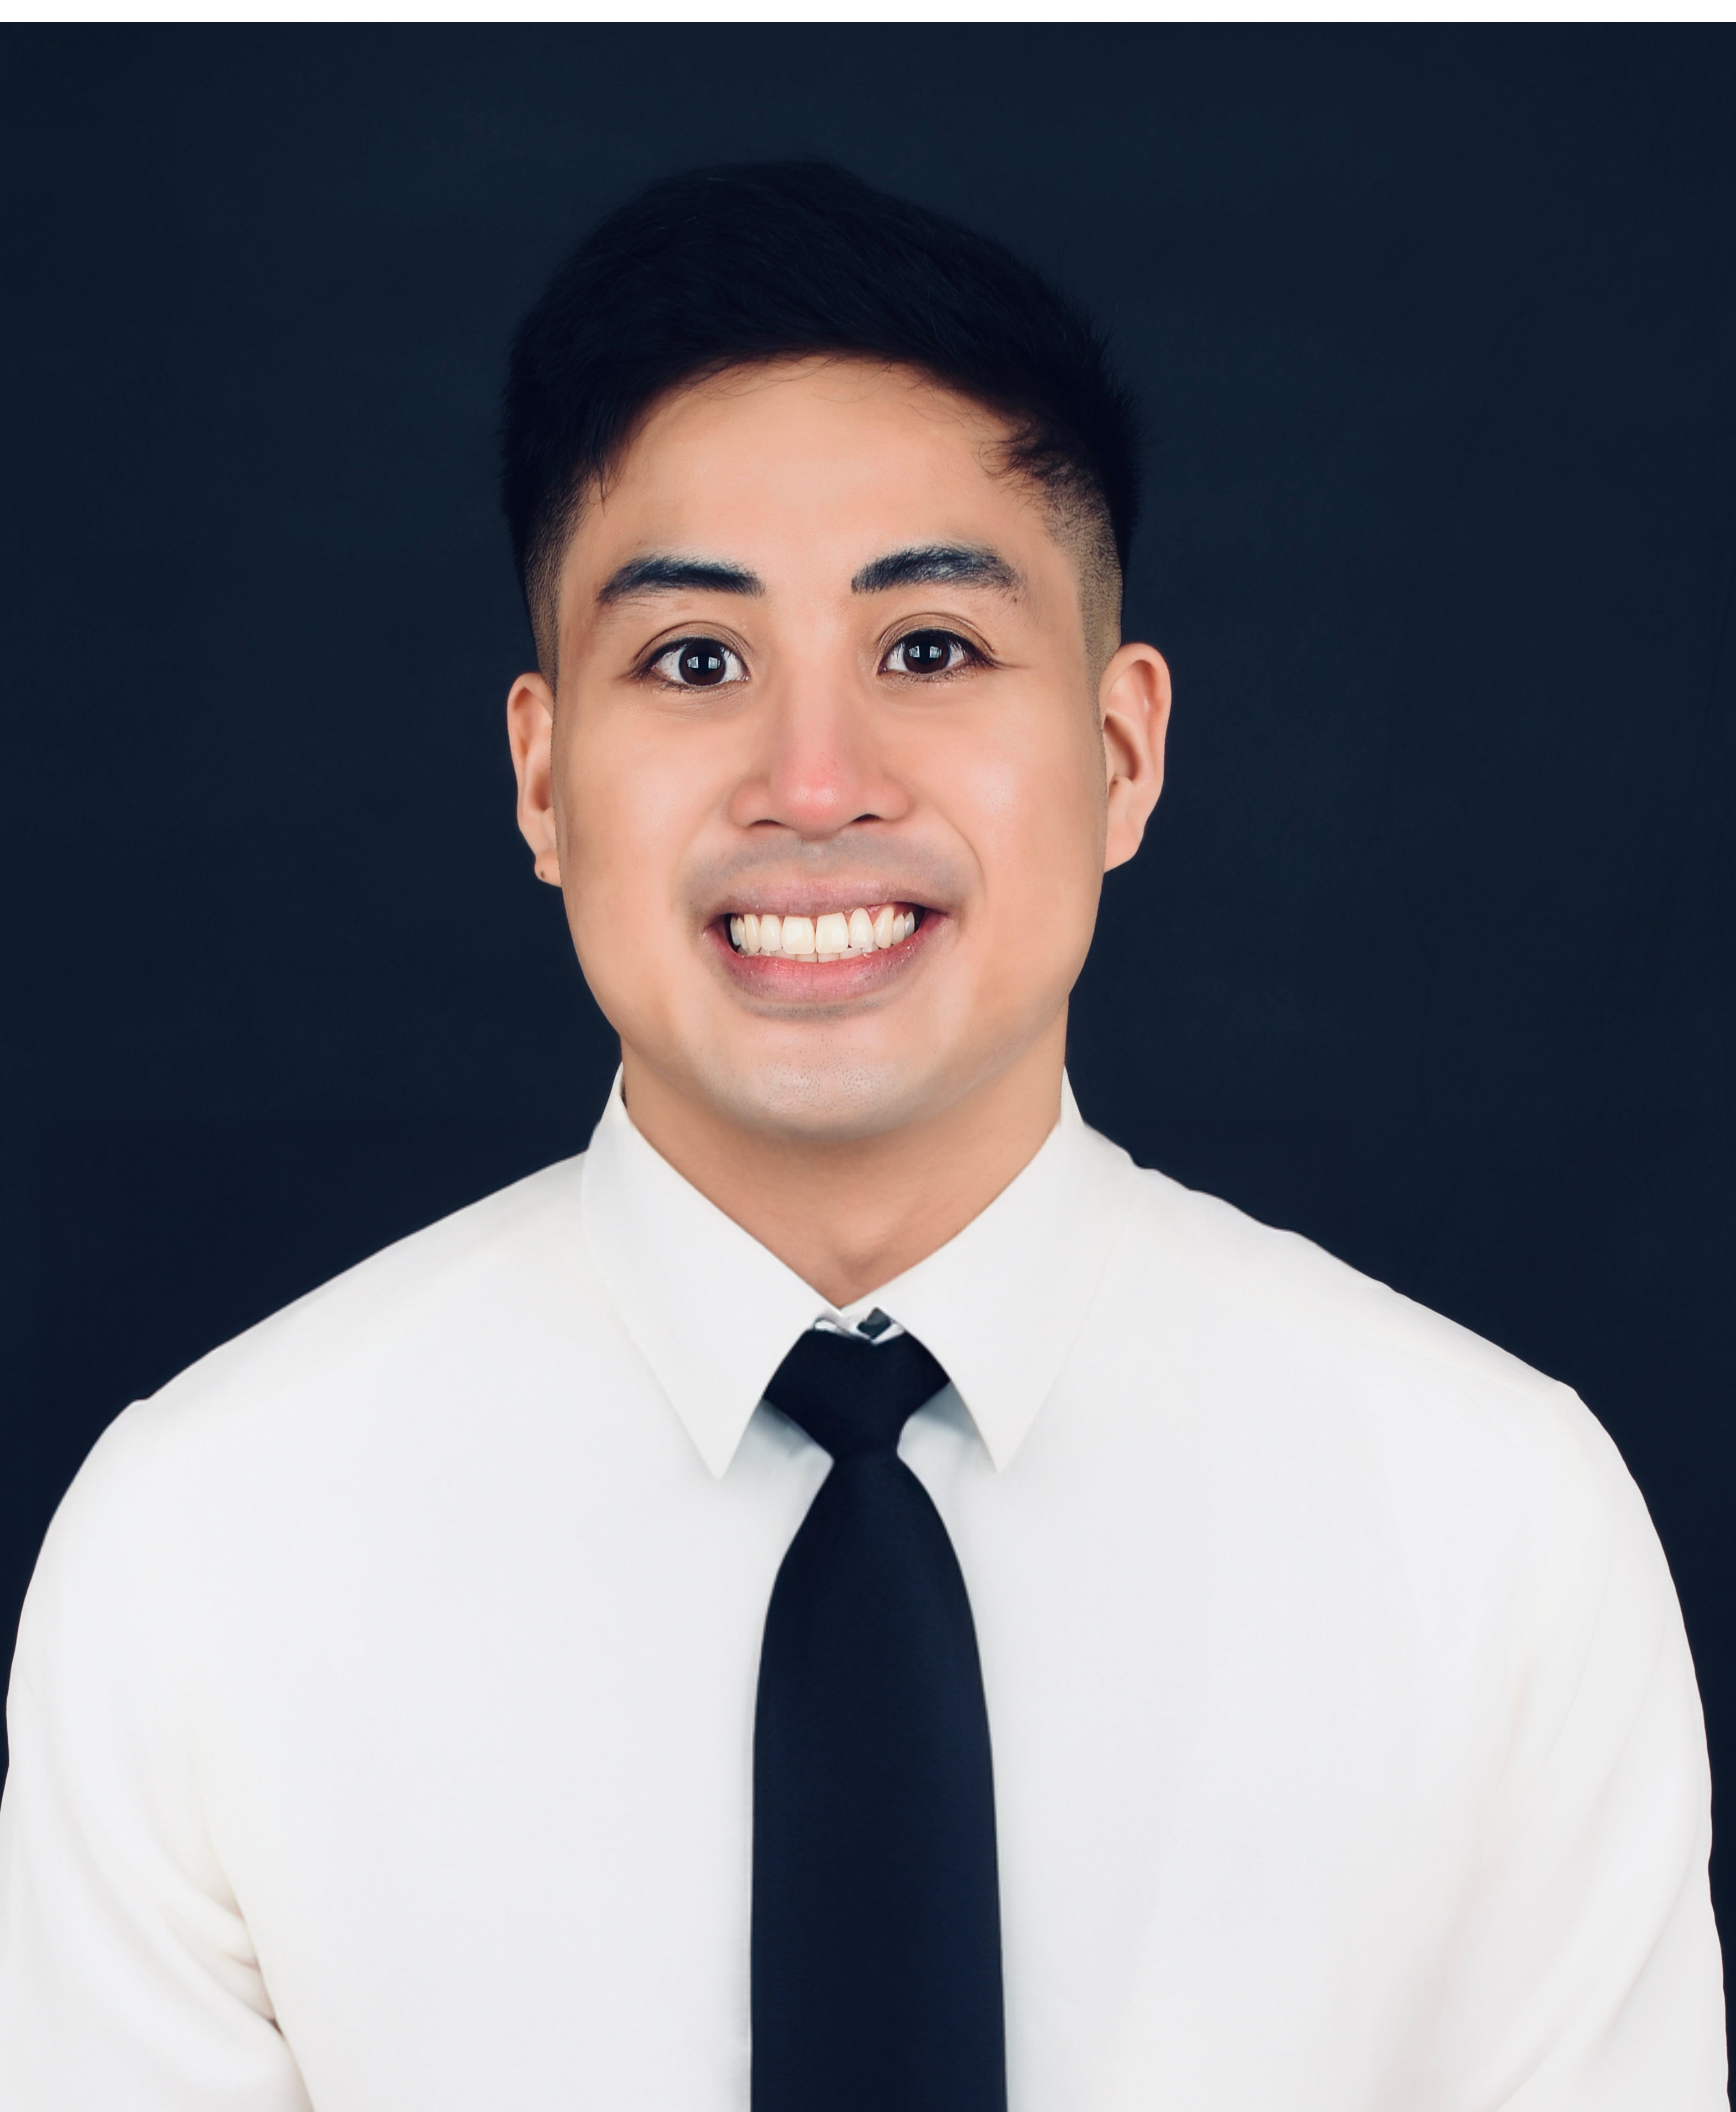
(726, 268)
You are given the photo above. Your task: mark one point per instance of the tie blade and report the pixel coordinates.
(876, 1940)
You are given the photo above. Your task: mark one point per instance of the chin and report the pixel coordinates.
(835, 1099)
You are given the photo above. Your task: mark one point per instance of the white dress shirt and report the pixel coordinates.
(382, 1717)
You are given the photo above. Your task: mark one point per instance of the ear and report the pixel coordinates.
(529, 732)
(1133, 699)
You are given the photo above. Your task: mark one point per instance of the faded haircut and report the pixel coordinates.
(734, 266)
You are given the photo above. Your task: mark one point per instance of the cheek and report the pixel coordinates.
(1033, 810)
(625, 825)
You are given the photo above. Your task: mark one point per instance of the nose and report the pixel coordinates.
(817, 769)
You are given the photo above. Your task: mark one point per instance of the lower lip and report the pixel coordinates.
(826, 982)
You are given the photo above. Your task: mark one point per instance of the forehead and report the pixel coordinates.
(819, 458)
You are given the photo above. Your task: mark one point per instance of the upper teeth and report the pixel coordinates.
(828, 938)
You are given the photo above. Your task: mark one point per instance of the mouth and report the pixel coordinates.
(821, 953)
(831, 934)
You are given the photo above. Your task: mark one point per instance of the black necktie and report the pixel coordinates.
(876, 1909)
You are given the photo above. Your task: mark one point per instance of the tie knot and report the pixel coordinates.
(850, 1396)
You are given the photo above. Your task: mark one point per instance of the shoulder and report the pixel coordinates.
(1326, 1414)
(472, 1271)
(461, 1308)
(1290, 1331)
(1282, 1274)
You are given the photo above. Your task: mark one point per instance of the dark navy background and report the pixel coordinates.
(1429, 954)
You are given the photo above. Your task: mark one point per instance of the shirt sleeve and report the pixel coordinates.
(1588, 1975)
(127, 1978)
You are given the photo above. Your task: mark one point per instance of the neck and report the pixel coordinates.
(848, 1214)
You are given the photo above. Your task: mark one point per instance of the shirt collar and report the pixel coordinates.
(714, 1313)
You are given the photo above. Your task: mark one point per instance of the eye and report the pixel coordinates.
(698, 663)
(929, 652)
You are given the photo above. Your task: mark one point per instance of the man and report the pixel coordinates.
(850, 1595)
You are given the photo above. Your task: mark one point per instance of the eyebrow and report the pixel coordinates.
(938, 564)
(662, 574)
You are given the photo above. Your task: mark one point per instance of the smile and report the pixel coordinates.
(836, 935)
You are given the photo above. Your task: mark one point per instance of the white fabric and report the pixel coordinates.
(382, 1715)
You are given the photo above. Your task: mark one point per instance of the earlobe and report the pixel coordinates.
(1135, 705)
(530, 730)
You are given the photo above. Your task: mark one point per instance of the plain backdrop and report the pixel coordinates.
(1428, 954)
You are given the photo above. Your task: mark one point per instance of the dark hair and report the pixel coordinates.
(722, 266)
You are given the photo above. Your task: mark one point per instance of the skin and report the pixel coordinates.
(852, 1115)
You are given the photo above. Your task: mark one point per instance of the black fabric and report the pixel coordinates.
(876, 1916)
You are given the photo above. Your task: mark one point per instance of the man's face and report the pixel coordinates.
(825, 687)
